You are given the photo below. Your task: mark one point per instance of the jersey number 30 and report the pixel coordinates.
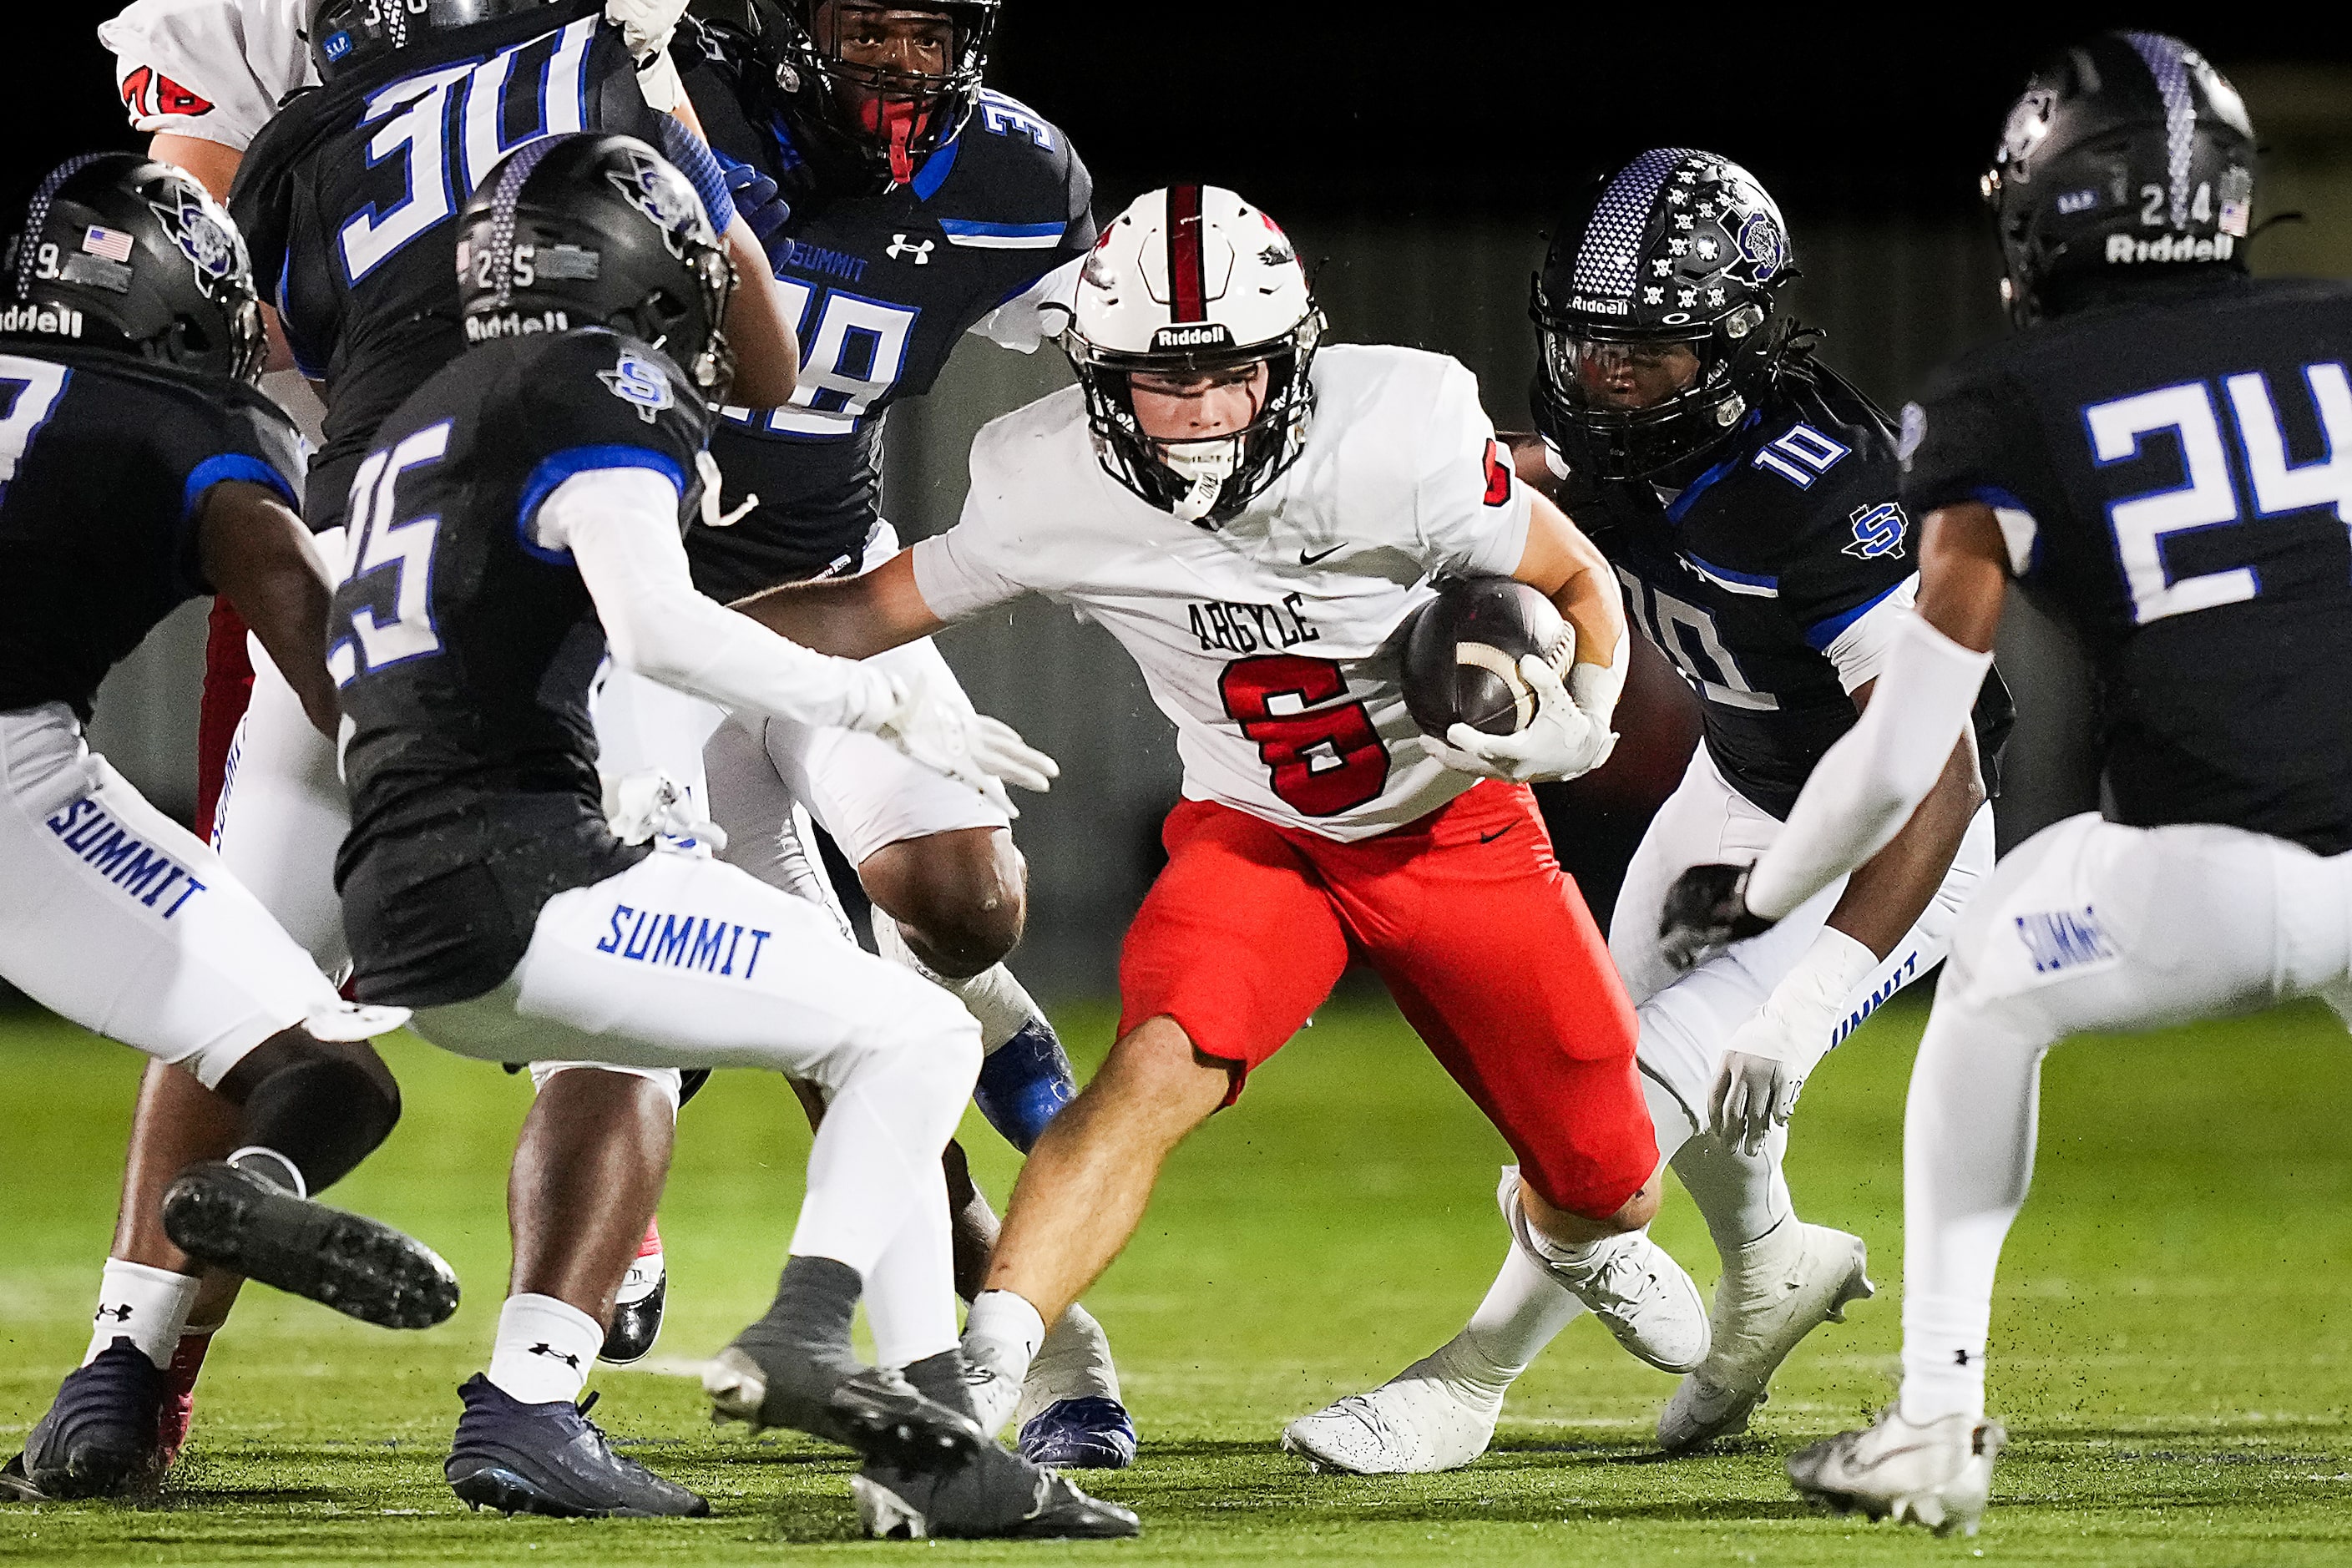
(1325, 760)
(404, 549)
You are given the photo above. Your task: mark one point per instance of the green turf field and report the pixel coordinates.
(2168, 1350)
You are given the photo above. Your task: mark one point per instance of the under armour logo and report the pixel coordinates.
(901, 248)
(547, 1350)
(1959, 1358)
(120, 1314)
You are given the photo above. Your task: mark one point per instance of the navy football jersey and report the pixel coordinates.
(882, 288)
(348, 198)
(1748, 574)
(463, 653)
(2172, 476)
(105, 461)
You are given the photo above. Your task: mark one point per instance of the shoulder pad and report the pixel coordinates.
(1011, 160)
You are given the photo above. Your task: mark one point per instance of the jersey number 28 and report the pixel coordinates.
(1325, 760)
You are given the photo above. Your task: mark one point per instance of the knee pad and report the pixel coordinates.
(1024, 1083)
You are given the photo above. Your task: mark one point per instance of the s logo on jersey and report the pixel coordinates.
(635, 381)
(1878, 530)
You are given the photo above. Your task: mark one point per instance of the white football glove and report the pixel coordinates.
(645, 26)
(1771, 1054)
(640, 804)
(1561, 742)
(935, 723)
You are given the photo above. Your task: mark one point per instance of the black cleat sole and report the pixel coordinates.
(886, 1421)
(635, 1326)
(359, 1267)
(497, 1487)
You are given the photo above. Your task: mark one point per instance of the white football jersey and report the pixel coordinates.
(1268, 641)
(213, 69)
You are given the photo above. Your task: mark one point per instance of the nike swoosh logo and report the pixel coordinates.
(1307, 560)
(1490, 837)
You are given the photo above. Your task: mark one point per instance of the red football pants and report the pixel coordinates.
(228, 687)
(1483, 941)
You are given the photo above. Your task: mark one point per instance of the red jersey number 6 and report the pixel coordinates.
(1325, 760)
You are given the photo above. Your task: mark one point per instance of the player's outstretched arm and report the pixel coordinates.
(256, 554)
(856, 618)
(1872, 782)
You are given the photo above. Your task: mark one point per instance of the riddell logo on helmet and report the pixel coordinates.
(1210, 334)
(1600, 307)
(47, 320)
(514, 325)
(2171, 247)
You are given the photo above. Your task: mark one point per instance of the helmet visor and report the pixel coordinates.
(1621, 375)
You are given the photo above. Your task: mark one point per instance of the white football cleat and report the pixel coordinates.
(1642, 1296)
(1424, 1420)
(1938, 1475)
(1773, 1292)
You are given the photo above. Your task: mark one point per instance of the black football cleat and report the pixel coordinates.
(551, 1459)
(234, 1219)
(638, 1307)
(1086, 1434)
(101, 1438)
(875, 1412)
(992, 1495)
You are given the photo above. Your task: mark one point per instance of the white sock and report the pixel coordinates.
(1000, 1001)
(1524, 1309)
(875, 1160)
(1073, 1362)
(545, 1349)
(272, 1166)
(148, 1306)
(1005, 1332)
(1943, 1357)
(1741, 1196)
(910, 1291)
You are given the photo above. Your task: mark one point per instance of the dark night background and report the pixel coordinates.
(1417, 155)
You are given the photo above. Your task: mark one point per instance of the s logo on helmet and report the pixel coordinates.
(2029, 123)
(640, 384)
(651, 187)
(1761, 244)
(202, 237)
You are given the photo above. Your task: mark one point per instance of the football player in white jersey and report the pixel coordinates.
(1253, 520)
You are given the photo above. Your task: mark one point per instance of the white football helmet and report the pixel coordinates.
(1189, 280)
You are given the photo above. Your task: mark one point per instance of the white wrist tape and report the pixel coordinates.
(1811, 999)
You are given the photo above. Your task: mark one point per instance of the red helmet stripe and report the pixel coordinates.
(1184, 254)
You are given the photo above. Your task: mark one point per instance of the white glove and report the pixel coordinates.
(1771, 1054)
(935, 723)
(645, 26)
(1561, 742)
(638, 805)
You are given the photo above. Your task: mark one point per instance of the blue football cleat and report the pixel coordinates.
(100, 1438)
(1091, 1434)
(1024, 1082)
(551, 1458)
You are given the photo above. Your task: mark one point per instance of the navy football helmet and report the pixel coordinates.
(868, 125)
(597, 230)
(2127, 154)
(1658, 322)
(115, 250)
(347, 33)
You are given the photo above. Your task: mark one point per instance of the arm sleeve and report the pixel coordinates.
(620, 526)
(1470, 510)
(213, 69)
(1866, 788)
(685, 149)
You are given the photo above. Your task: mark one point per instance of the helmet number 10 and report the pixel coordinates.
(1325, 760)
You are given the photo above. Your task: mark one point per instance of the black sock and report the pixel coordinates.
(323, 1108)
(941, 1378)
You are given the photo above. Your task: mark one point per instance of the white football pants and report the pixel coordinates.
(122, 921)
(683, 962)
(2088, 925)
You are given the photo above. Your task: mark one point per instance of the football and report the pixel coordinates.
(1462, 653)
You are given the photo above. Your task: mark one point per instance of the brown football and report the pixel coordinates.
(1462, 653)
